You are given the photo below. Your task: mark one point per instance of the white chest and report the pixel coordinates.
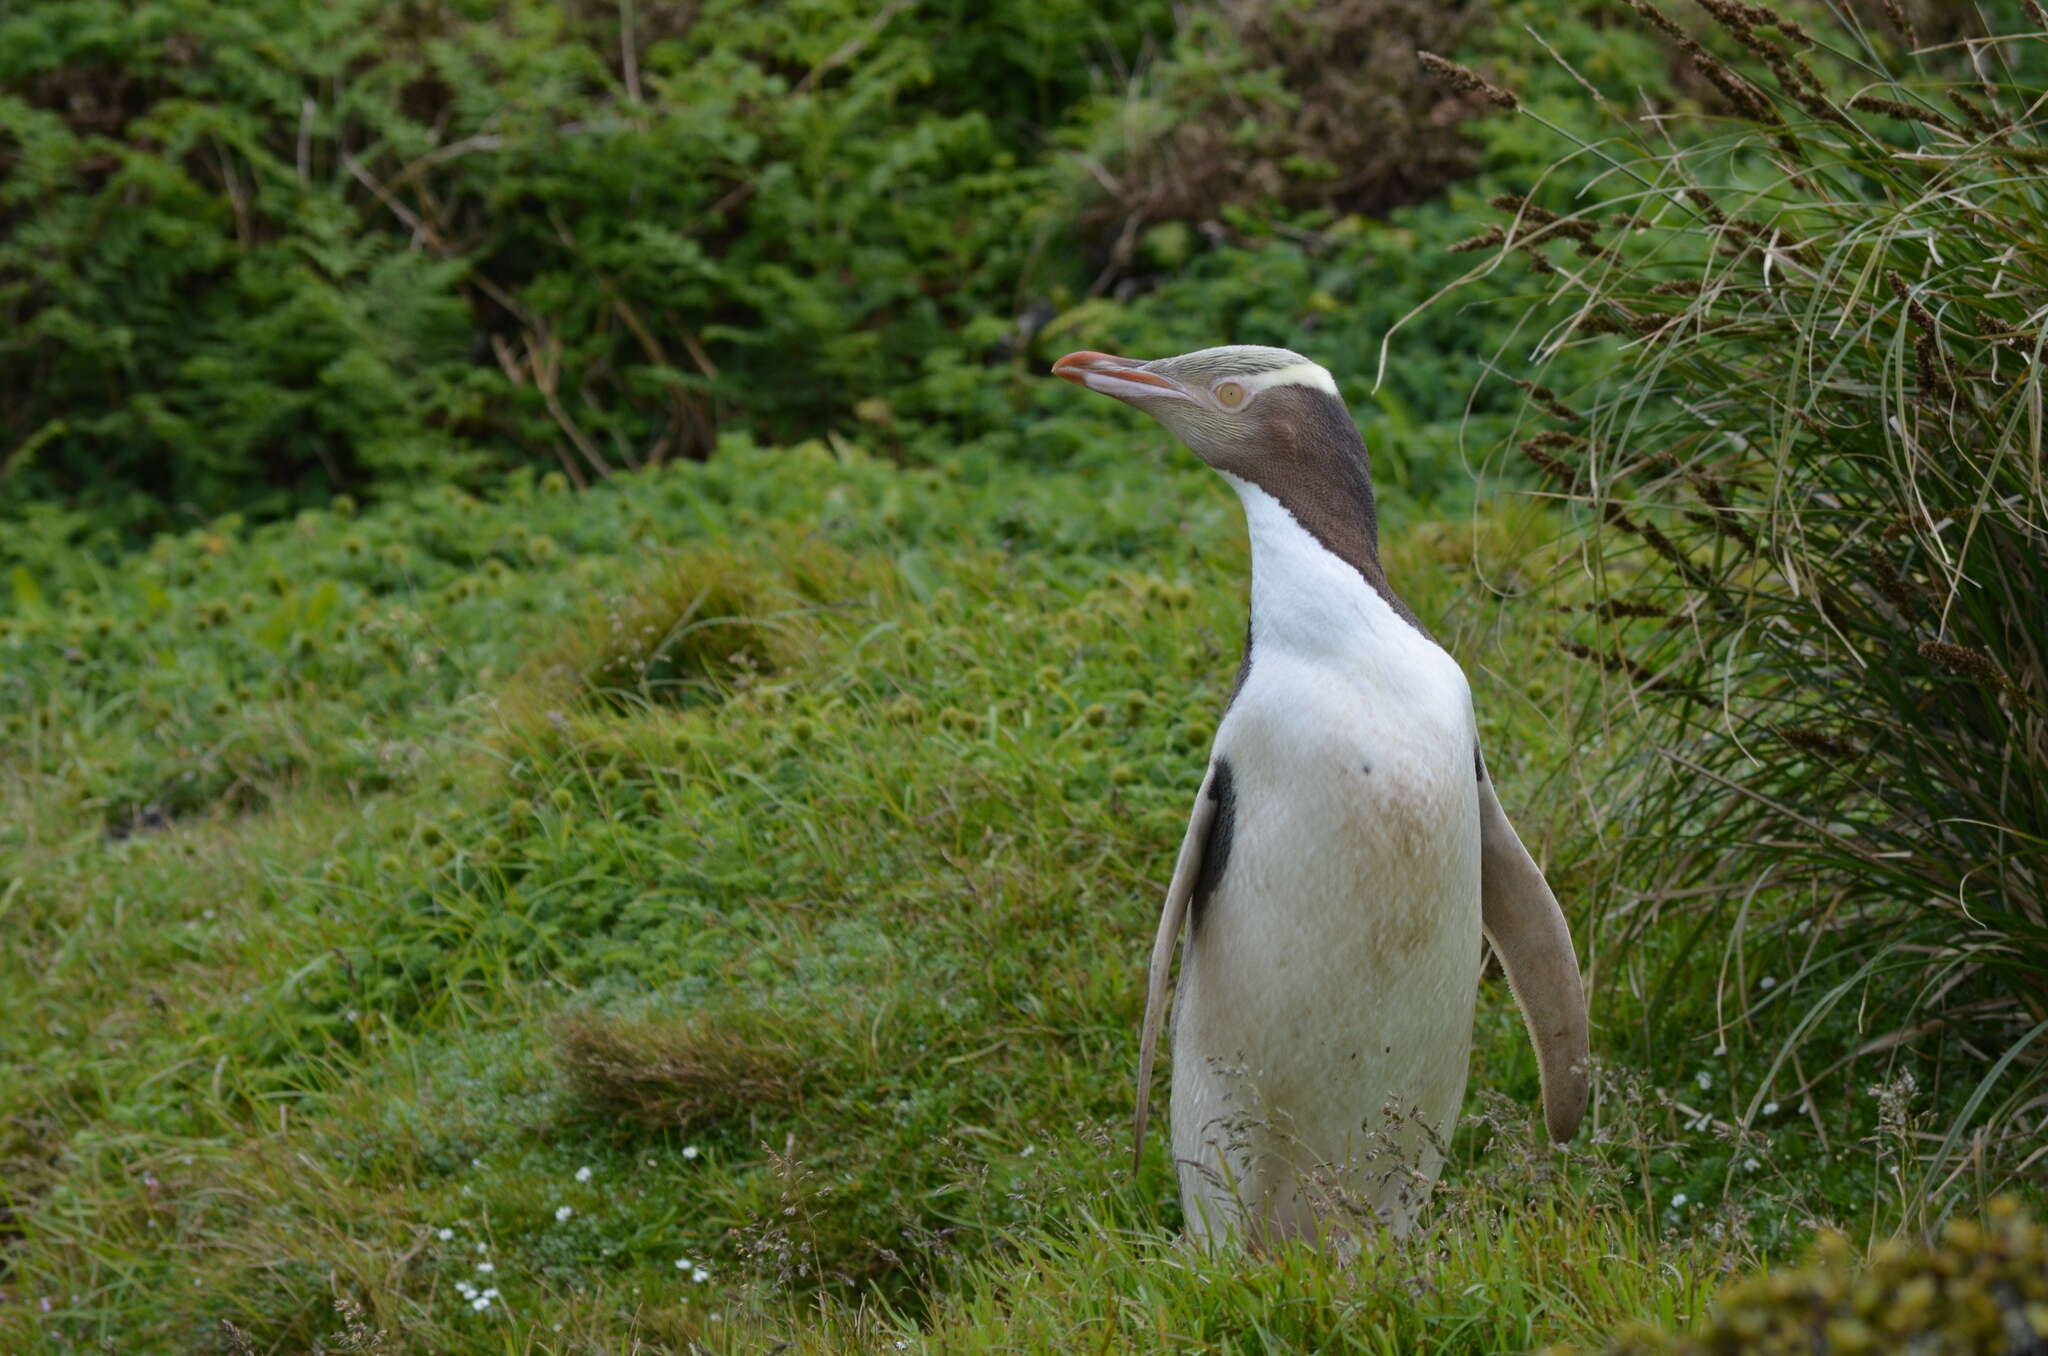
(1345, 700)
(1335, 963)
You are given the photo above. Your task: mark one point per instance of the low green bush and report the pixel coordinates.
(1980, 1290)
(254, 254)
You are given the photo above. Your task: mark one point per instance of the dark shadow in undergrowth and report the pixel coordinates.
(707, 621)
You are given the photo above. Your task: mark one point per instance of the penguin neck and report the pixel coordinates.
(1307, 598)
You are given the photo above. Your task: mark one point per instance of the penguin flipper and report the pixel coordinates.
(1186, 869)
(1527, 928)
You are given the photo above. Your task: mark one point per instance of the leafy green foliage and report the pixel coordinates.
(253, 262)
(1982, 1290)
(257, 256)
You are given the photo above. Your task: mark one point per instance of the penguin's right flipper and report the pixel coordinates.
(1529, 934)
(1186, 870)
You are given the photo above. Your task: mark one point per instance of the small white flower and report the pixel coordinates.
(1029, 1150)
(465, 1289)
(1767, 983)
(444, 1234)
(492, 1293)
(562, 1212)
(485, 1267)
(690, 1151)
(700, 1275)
(480, 1304)
(1678, 1200)
(1704, 1079)
(482, 1246)
(1770, 1108)
(1750, 1165)
(1720, 1049)
(583, 1174)
(684, 1264)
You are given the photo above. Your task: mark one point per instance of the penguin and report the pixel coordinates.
(1345, 854)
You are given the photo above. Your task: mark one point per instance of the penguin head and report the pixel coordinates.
(1229, 405)
(1267, 418)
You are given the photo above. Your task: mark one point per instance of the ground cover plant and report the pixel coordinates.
(528, 916)
(564, 915)
(702, 909)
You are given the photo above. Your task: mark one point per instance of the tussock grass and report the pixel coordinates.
(688, 630)
(1809, 460)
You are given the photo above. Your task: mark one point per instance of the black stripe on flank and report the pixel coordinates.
(1478, 763)
(1215, 851)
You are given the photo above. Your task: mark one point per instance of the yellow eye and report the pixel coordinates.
(1230, 395)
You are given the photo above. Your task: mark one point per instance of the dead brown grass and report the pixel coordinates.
(684, 1071)
(1283, 105)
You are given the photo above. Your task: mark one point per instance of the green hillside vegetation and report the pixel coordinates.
(588, 747)
(702, 830)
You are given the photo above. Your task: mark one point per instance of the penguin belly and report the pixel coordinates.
(1323, 1019)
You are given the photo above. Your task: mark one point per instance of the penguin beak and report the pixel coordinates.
(1125, 378)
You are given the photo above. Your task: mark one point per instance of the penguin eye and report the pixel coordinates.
(1229, 395)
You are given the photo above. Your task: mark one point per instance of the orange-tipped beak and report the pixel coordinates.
(1123, 378)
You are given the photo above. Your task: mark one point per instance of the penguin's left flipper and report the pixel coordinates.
(1527, 928)
(1187, 868)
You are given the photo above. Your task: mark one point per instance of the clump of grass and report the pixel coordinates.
(1979, 1289)
(706, 620)
(1819, 535)
(683, 1072)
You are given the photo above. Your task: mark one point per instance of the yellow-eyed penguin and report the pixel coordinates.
(1345, 851)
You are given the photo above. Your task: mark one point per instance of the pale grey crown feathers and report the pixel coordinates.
(1255, 365)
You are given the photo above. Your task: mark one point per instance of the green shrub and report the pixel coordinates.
(1814, 459)
(254, 253)
(1279, 106)
(1982, 1290)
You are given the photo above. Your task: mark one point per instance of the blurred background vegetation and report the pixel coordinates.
(497, 496)
(256, 257)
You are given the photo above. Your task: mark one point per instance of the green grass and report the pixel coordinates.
(723, 832)
(750, 864)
